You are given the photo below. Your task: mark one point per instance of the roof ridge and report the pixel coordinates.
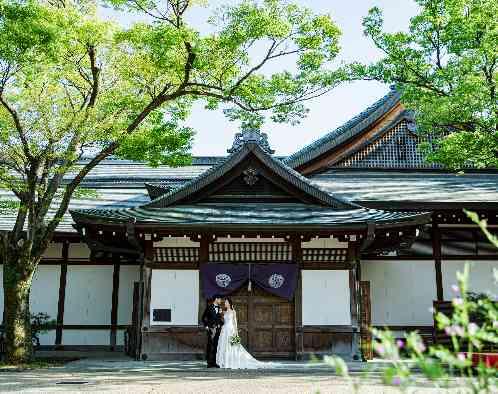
(331, 139)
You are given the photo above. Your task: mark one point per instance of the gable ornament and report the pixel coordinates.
(250, 176)
(251, 136)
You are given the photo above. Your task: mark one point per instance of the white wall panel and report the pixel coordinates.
(54, 251)
(47, 338)
(45, 290)
(326, 297)
(120, 335)
(44, 295)
(79, 251)
(481, 279)
(177, 290)
(401, 291)
(128, 274)
(176, 242)
(324, 243)
(88, 295)
(86, 337)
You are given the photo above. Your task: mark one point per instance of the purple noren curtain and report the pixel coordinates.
(225, 278)
(278, 279)
(222, 279)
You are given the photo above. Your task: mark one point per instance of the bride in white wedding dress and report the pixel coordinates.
(234, 356)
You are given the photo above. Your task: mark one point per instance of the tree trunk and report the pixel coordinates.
(17, 321)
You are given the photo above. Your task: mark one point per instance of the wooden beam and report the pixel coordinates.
(203, 259)
(436, 250)
(115, 301)
(144, 312)
(62, 294)
(353, 258)
(297, 257)
(147, 291)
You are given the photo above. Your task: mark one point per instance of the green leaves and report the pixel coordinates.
(162, 142)
(446, 68)
(74, 85)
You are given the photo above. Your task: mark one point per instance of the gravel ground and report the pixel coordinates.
(159, 380)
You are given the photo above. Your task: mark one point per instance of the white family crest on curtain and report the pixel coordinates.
(223, 280)
(276, 281)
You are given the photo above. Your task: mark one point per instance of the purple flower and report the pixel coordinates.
(419, 347)
(380, 349)
(461, 357)
(400, 344)
(472, 328)
(455, 289)
(396, 381)
(454, 330)
(457, 301)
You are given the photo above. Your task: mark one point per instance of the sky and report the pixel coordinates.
(214, 133)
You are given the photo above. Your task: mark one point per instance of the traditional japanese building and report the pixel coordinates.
(351, 231)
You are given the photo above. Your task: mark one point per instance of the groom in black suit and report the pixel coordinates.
(212, 318)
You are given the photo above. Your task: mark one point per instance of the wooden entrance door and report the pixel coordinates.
(266, 323)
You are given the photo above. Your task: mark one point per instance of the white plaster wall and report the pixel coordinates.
(86, 337)
(326, 297)
(481, 279)
(128, 274)
(79, 251)
(44, 296)
(256, 239)
(331, 243)
(88, 295)
(177, 242)
(120, 334)
(54, 251)
(177, 290)
(401, 291)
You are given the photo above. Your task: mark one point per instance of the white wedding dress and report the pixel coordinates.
(234, 356)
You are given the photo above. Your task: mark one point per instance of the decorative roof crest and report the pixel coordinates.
(251, 135)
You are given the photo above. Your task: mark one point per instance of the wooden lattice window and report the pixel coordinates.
(397, 148)
(176, 255)
(324, 254)
(250, 251)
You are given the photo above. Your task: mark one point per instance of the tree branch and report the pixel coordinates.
(18, 126)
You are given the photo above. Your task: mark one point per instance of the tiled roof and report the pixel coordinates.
(247, 215)
(422, 186)
(344, 132)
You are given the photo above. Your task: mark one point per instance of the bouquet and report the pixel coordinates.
(235, 340)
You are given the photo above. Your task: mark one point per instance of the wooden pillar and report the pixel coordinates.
(354, 272)
(62, 295)
(436, 251)
(203, 259)
(297, 258)
(145, 293)
(115, 301)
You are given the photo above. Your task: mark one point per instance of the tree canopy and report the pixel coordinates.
(446, 66)
(75, 85)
